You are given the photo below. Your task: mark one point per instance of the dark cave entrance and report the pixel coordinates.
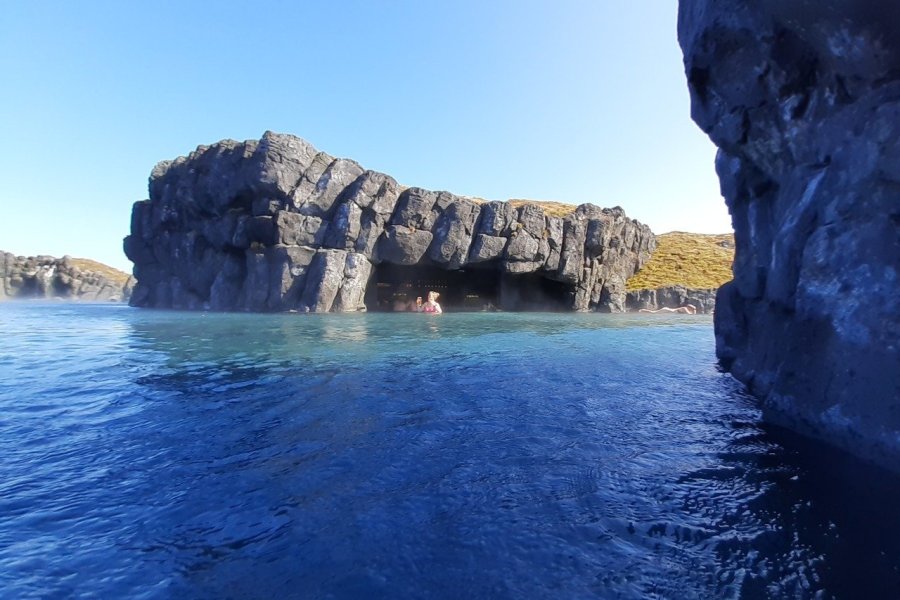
(483, 288)
(395, 287)
(531, 292)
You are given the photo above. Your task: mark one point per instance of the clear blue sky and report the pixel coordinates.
(575, 101)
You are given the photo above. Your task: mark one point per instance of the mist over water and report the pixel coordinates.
(163, 454)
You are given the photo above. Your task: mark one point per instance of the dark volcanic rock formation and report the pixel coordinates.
(66, 278)
(277, 225)
(803, 101)
(672, 297)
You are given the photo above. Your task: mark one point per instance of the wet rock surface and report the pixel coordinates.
(67, 278)
(275, 224)
(803, 101)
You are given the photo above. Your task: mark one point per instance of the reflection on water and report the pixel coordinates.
(165, 454)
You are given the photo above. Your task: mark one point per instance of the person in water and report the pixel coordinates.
(431, 305)
(687, 309)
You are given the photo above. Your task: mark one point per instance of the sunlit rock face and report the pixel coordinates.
(803, 100)
(275, 225)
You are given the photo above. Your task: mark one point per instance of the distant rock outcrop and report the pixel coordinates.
(65, 278)
(803, 101)
(277, 225)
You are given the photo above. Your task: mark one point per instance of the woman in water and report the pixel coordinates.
(687, 309)
(432, 306)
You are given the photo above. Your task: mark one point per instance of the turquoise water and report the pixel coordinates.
(163, 454)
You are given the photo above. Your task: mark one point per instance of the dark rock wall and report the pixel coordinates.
(803, 101)
(277, 225)
(48, 277)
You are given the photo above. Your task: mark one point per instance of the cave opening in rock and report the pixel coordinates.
(61, 289)
(395, 288)
(532, 292)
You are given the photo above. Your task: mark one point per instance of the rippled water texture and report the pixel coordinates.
(161, 454)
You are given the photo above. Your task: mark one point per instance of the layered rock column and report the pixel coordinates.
(803, 101)
(274, 225)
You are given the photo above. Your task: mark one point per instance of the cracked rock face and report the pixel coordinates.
(274, 225)
(803, 101)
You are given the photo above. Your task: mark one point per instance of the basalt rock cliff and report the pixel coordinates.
(274, 225)
(64, 278)
(803, 101)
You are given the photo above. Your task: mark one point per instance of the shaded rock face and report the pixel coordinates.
(803, 101)
(64, 278)
(275, 225)
(672, 297)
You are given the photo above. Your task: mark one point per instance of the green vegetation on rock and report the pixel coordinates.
(690, 260)
(551, 208)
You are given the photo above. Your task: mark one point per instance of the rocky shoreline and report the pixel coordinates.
(67, 278)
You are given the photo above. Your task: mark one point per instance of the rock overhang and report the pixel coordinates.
(275, 224)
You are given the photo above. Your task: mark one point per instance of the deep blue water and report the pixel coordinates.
(161, 454)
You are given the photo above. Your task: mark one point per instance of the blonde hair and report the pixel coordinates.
(433, 296)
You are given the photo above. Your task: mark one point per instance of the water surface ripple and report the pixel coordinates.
(164, 454)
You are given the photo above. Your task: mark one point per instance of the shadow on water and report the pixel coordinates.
(801, 519)
(406, 456)
(833, 521)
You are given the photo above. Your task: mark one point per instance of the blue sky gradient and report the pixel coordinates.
(573, 100)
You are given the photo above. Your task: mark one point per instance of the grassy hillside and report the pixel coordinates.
(86, 264)
(693, 260)
(551, 208)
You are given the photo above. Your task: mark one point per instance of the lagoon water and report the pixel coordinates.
(150, 454)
